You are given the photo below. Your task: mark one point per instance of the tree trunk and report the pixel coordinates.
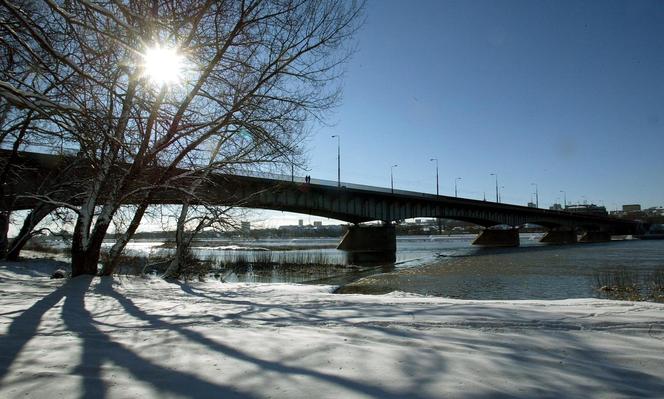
(27, 230)
(4, 229)
(85, 255)
(84, 261)
(121, 242)
(175, 267)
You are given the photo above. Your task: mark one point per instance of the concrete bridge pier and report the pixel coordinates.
(559, 236)
(498, 238)
(595, 236)
(370, 244)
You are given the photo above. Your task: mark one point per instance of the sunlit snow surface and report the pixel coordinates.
(133, 337)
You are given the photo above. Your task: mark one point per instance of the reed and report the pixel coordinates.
(263, 261)
(44, 246)
(308, 258)
(656, 281)
(271, 262)
(128, 265)
(624, 284)
(238, 265)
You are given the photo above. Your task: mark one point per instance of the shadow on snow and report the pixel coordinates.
(424, 365)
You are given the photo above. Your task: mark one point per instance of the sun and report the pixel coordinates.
(163, 65)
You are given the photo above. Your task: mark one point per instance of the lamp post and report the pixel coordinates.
(455, 186)
(440, 226)
(392, 177)
(436, 159)
(338, 159)
(536, 194)
(564, 198)
(497, 196)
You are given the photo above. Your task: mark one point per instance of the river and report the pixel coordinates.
(446, 266)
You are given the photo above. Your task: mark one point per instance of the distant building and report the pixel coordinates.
(556, 207)
(318, 223)
(631, 208)
(655, 211)
(532, 205)
(246, 227)
(300, 222)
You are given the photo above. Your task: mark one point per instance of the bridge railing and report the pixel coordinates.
(329, 183)
(353, 186)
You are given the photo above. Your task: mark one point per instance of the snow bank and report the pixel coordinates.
(131, 337)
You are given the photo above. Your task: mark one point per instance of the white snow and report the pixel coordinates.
(137, 338)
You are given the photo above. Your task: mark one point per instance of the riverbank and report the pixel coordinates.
(144, 337)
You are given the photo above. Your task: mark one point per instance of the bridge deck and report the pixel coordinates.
(351, 202)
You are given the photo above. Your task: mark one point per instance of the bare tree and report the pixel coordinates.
(250, 76)
(30, 115)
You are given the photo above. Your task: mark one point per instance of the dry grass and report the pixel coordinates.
(271, 263)
(628, 285)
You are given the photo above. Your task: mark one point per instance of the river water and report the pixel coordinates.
(447, 266)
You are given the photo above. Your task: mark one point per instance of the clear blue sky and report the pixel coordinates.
(565, 94)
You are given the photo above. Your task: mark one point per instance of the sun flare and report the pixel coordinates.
(163, 65)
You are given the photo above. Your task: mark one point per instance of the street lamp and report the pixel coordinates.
(455, 186)
(497, 196)
(392, 177)
(536, 194)
(436, 159)
(564, 198)
(338, 159)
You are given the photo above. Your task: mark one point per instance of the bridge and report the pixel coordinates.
(354, 204)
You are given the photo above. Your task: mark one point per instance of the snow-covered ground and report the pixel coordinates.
(137, 338)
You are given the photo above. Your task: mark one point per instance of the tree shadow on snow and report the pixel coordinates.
(423, 364)
(587, 369)
(106, 288)
(24, 327)
(98, 348)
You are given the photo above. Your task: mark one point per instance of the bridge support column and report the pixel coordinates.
(559, 237)
(498, 238)
(370, 244)
(595, 236)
